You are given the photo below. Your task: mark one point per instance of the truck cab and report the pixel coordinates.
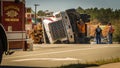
(58, 28)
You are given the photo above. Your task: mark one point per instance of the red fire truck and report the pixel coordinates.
(13, 19)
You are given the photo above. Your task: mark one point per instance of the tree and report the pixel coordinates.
(41, 13)
(116, 34)
(80, 10)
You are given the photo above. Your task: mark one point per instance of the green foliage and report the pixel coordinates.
(104, 15)
(116, 35)
(41, 13)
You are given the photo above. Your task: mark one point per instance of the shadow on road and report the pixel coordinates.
(79, 66)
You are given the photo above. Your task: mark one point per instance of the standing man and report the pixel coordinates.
(98, 32)
(110, 33)
(3, 42)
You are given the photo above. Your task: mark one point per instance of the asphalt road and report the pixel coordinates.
(55, 55)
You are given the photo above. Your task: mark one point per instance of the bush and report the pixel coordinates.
(116, 34)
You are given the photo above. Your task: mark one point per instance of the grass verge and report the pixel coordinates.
(92, 64)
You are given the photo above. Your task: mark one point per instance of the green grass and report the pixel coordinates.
(106, 61)
(92, 64)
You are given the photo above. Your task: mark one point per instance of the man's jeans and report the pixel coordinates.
(98, 39)
(110, 38)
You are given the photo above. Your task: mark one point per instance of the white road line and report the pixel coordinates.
(58, 52)
(50, 59)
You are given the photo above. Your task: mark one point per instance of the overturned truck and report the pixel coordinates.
(66, 27)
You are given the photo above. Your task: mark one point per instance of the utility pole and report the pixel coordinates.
(35, 12)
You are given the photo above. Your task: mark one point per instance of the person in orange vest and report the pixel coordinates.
(110, 33)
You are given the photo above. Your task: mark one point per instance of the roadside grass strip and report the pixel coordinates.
(92, 64)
